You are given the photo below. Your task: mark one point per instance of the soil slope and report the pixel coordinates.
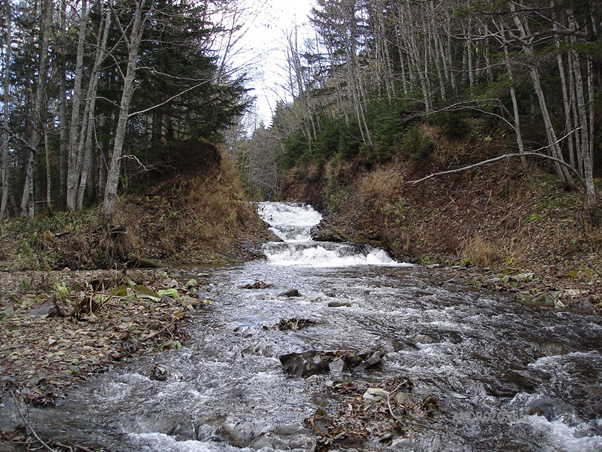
(522, 229)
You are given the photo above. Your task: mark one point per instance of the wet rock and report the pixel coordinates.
(290, 293)
(375, 395)
(424, 339)
(293, 324)
(265, 441)
(399, 345)
(352, 359)
(313, 362)
(403, 399)
(291, 430)
(303, 364)
(159, 373)
(337, 366)
(320, 421)
(339, 304)
(235, 435)
(257, 285)
(545, 406)
(552, 348)
(372, 361)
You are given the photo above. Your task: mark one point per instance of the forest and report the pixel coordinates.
(425, 201)
(93, 92)
(96, 95)
(374, 71)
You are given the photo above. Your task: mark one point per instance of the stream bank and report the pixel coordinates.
(496, 227)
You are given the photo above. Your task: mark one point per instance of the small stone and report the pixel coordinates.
(167, 300)
(339, 304)
(290, 293)
(337, 366)
(375, 395)
(403, 399)
(372, 361)
(159, 373)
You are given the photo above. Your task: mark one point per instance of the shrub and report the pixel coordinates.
(479, 252)
(418, 145)
(453, 124)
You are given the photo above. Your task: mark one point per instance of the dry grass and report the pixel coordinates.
(381, 191)
(194, 217)
(478, 251)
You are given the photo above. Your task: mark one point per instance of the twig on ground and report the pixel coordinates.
(156, 333)
(28, 425)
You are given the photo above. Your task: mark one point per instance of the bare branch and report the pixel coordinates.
(168, 100)
(498, 159)
(535, 153)
(33, 432)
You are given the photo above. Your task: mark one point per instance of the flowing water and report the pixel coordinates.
(507, 376)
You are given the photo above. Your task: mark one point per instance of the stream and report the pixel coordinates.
(507, 376)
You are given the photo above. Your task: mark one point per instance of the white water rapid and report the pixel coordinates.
(292, 222)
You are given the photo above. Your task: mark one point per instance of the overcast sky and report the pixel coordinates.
(264, 46)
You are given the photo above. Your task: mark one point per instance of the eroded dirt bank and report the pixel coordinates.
(514, 230)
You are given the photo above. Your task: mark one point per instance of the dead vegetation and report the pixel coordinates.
(375, 414)
(498, 216)
(196, 211)
(60, 327)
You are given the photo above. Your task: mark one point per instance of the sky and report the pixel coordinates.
(262, 50)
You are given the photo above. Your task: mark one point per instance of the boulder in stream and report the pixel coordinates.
(313, 362)
(304, 364)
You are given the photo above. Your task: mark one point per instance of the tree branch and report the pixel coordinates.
(23, 141)
(498, 159)
(146, 110)
(28, 425)
(535, 153)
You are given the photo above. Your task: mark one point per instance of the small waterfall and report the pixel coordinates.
(293, 222)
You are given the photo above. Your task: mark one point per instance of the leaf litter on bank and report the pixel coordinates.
(93, 320)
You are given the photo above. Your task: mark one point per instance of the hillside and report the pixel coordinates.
(523, 227)
(191, 210)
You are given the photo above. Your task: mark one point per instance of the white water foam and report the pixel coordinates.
(319, 256)
(289, 221)
(293, 224)
(565, 437)
(160, 442)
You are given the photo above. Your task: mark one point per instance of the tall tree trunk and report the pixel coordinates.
(76, 119)
(553, 142)
(515, 110)
(133, 45)
(85, 161)
(48, 174)
(588, 166)
(6, 111)
(27, 201)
